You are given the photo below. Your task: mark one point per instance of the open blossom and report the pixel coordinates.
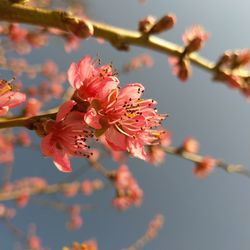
(90, 81)
(8, 98)
(66, 136)
(125, 119)
(128, 120)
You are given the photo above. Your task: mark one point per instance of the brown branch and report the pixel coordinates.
(32, 191)
(27, 122)
(66, 22)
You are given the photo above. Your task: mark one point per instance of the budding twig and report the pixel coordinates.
(65, 21)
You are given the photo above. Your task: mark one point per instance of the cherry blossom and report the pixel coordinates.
(66, 137)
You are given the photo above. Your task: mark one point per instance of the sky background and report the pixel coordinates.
(200, 215)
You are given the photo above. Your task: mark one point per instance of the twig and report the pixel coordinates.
(63, 21)
(196, 158)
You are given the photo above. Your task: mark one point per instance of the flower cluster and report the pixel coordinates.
(99, 106)
(128, 191)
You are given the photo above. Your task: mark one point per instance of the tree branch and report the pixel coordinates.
(196, 158)
(27, 122)
(64, 21)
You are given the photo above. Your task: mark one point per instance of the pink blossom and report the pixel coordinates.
(75, 220)
(139, 62)
(37, 39)
(23, 199)
(8, 98)
(91, 81)
(49, 68)
(118, 156)
(128, 120)
(66, 137)
(6, 149)
(16, 33)
(87, 187)
(34, 243)
(32, 107)
(23, 138)
(72, 42)
(71, 189)
(7, 213)
(56, 89)
(128, 191)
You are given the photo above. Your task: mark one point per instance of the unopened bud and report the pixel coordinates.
(184, 70)
(81, 28)
(146, 24)
(165, 23)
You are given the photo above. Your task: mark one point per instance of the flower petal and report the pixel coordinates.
(61, 161)
(116, 140)
(64, 109)
(92, 119)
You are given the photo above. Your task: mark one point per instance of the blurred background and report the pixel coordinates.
(199, 214)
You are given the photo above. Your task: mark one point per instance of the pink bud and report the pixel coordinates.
(190, 145)
(165, 23)
(204, 168)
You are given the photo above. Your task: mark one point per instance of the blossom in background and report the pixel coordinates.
(128, 192)
(6, 149)
(8, 97)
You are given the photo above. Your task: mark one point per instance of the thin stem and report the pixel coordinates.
(32, 191)
(27, 122)
(196, 158)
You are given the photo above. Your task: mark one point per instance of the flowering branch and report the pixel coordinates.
(37, 190)
(196, 158)
(152, 232)
(118, 37)
(29, 122)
